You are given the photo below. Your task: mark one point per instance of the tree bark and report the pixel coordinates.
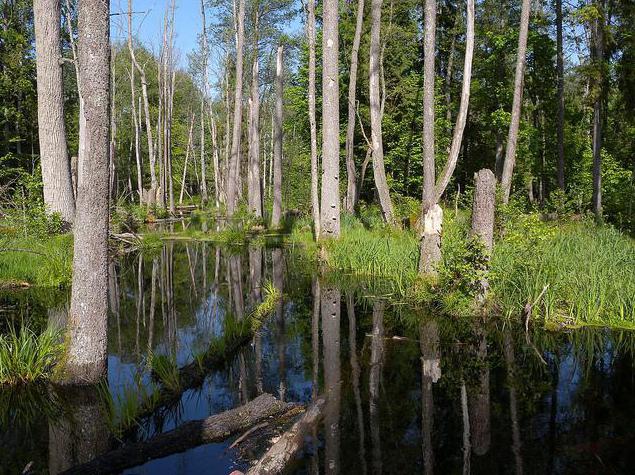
(560, 73)
(432, 215)
(597, 51)
(56, 167)
(379, 172)
(514, 126)
(87, 340)
(215, 428)
(204, 195)
(351, 186)
(254, 187)
(146, 110)
(234, 162)
(330, 202)
(483, 220)
(187, 157)
(282, 453)
(315, 199)
(276, 214)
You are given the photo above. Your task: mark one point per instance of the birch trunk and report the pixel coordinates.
(87, 340)
(330, 202)
(381, 185)
(512, 137)
(351, 187)
(315, 199)
(597, 51)
(234, 162)
(56, 167)
(276, 214)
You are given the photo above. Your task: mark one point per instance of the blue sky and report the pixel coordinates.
(148, 26)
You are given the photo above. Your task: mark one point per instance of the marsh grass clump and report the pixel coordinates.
(166, 371)
(266, 307)
(584, 274)
(43, 262)
(123, 410)
(28, 357)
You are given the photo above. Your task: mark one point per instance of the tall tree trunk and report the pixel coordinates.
(87, 341)
(597, 51)
(560, 72)
(204, 195)
(330, 202)
(234, 162)
(133, 113)
(430, 247)
(146, 110)
(381, 185)
(315, 199)
(56, 166)
(351, 186)
(187, 157)
(254, 186)
(276, 214)
(512, 137)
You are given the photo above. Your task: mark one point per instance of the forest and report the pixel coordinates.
(300, 236)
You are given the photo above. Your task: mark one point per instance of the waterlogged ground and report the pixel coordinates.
(406, 397)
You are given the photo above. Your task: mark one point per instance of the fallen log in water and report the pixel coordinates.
(282, 453)
(191, 434)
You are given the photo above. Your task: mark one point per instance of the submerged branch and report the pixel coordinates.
(191, 434)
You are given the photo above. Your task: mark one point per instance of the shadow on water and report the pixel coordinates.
(407, 392)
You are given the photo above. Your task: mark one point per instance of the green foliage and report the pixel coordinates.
(27, 357)
(165, 370)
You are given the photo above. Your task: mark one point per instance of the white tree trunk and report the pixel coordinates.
(56, 167)
(254, 186)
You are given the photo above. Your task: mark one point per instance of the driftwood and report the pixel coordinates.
(191, 434)
(290, 443)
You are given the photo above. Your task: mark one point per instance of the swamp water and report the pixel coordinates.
(441, 396)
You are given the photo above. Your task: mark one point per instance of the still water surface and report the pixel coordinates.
(442, 396)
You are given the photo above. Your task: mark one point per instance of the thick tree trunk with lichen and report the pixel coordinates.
(330, 202)
(254, 188)
(87, 331)
(56, 167)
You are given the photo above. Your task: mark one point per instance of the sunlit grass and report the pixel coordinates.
(27, 357)
(45, 262)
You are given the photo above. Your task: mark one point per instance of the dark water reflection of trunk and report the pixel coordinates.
(278, 283)
(376, 368)
(330, 309)
(82, 433)
(479, 399)
(255, 279)
(430, 374)
(355, 373)
(510, 361)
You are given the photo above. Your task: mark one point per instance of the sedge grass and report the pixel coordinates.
(28, 357)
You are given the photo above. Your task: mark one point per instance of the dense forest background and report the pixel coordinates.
(197, 78)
